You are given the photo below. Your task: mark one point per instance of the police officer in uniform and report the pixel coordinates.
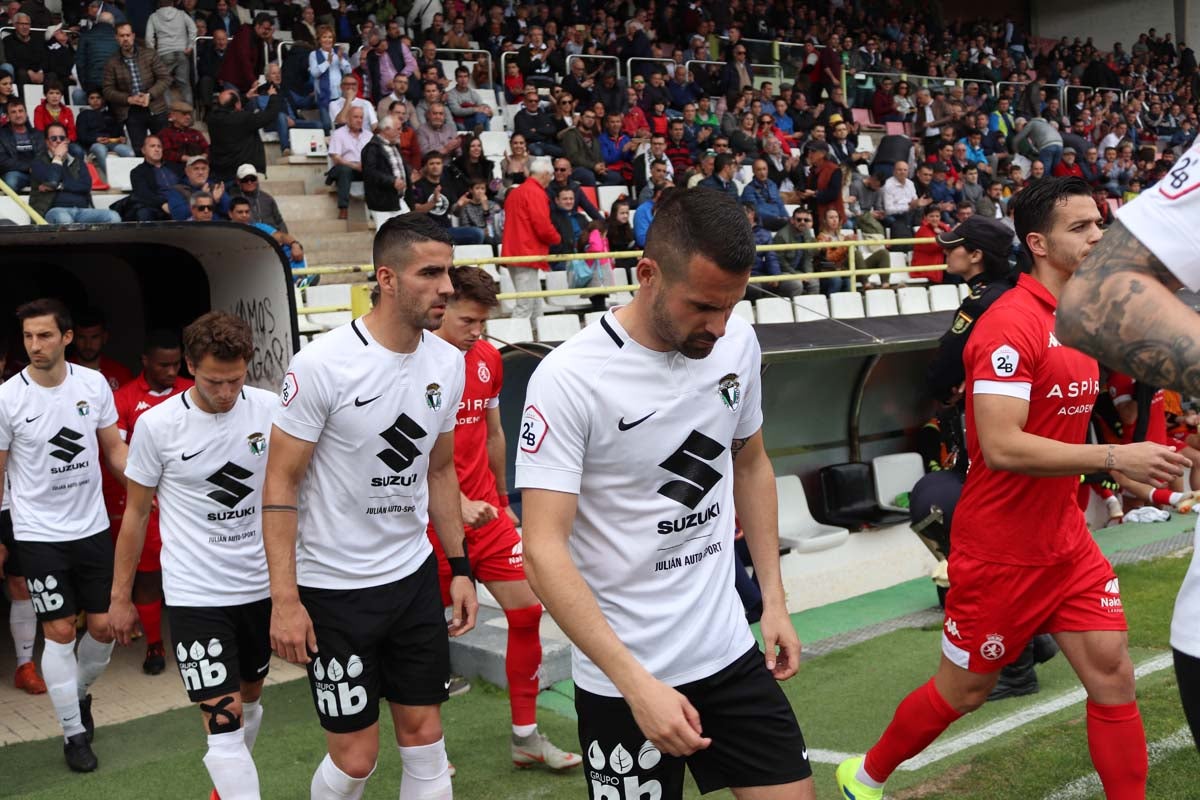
(977, 251)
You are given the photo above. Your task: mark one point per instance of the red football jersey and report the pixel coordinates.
(485, 375)
(1007, 517)
(1121, 388)
(117, 373)
(132, 400)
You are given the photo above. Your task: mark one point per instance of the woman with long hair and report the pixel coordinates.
(475, 167)
(515, 166)
(620, 233)
(906, 106)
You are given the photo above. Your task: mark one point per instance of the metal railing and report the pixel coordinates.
(597, 57)
(851, 271)
(196, 53)
(37, 218)
(629, 63)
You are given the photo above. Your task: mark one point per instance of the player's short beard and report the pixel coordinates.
(666, 329)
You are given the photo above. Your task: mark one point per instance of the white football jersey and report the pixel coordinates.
(209, 470)
(53, 454)
(1164, 217)
(374, 415)
(643, 438)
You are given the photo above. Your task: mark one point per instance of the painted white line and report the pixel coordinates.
(939, 750)
(816, 756)
(1089, 785)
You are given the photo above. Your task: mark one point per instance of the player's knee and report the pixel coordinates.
(419, 728)
(970, 699)
(17, 589)
(357, 765)
(98, 629)
(60, 630)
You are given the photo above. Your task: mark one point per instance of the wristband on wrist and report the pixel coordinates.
(459, 567)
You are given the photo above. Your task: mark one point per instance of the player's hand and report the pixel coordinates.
(122, 619)
(463, 606)
(1148, 462)
(292, 634)
(781, 644)
(667, 718)
(477, 513)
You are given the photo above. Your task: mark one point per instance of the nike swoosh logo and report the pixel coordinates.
(33, 419)
(361, 403)
(264, 667)
(622, 425)
(447, 685)
(186, 457)
(804, 753)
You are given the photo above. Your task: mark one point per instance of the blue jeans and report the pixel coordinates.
(100, 153)
(469, 122)
(545, 149)
(467, 235)
(1050, 156)
(343, 176)
(282, 127)
(831, 285)
(17, 180)
(65, 216)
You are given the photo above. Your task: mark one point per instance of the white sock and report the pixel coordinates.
(58, 670)
(866, 780)
(1175, 498)
(252, 712)
(1114, 506)
(93, 658)
(426, 772)
(330, 783)
(22, 621)
(230, 766)
(524, 731)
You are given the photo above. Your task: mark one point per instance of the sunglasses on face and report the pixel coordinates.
(249, 179)
(56, 138)
(204, 208)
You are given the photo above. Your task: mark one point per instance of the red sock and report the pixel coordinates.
(1117, 743)
(1104, 492)
(1161, 497)
(151, 616)
(920, 718)
(522, 662)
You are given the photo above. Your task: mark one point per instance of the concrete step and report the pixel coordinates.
(480, 653)
(339, 248)
(279, 188)
(294, 172)
(311, 227)
(305, 206)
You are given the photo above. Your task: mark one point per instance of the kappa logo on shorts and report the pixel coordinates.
(993, 648)
(41, 592)
(622, 785)
(196, 668)
(336, 697)
(952, 628)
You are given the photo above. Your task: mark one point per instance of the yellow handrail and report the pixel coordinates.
(37, 218)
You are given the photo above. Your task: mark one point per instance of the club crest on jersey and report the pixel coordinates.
(433, 396)
(485, 374)
(83, 408)
(993, 648)
(258, 443)
(729, 389)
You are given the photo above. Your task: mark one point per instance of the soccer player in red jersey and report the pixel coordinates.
(90, 337)
(492, 541)
(158, 381)
(1024, 562)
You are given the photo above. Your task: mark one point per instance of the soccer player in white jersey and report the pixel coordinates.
(362, 458)
(22, 621)
(639, 436)
(55, 418)
(1121, 307)
(205, 453)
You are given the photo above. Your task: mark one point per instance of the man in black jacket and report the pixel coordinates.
(20, 144)
(61, 190)
(537, 126)
(26, 51)
(385, 176)
(212, 56)
(234, 133)
(152, 181)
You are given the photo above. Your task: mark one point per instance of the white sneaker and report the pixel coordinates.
(537, 749)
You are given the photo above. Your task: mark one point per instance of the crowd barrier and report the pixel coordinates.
(37, 218)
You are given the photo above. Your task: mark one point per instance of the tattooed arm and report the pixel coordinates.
(1120, 307)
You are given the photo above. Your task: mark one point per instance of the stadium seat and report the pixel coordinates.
(899, 261)
(469, 251)
(848, 498)
(846, 305)
(509, 331)
(963, 291)
(607, 195)
(592, 317)
(745, 310)
(379, 217)
(590, 193)
(774, 309)
(308, 142)
(913, 300)
(495, 144)
(119, 169)
(558, 280)
(337, 294)
(943, 297)
(105, 200)
(862, 116)
(894, 129)
(506, 287)
(557, 327)
(797, 528)
(448, 67)
(11, 211)
(811, 307)
(32, 94)
(895, 474)
(881, 303)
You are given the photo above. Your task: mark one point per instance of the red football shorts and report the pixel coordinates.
(151, 558)
(993, 610)
(495, 552)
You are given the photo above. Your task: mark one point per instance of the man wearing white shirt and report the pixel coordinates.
(339, 109)
(345, 150)
(899, 198)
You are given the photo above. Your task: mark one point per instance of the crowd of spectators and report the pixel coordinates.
(747, 97)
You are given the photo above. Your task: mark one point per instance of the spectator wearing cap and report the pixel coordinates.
(345, 150)
(170, 31)
(1069, 166)
(234, 131)
(179, 138)
(823, 189)
(246, 57)
(61, 186)
(263, 207)
(975, 251)
(135, 87)
(196, 179)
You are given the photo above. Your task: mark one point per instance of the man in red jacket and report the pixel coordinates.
(528, 231)
(246, 57)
